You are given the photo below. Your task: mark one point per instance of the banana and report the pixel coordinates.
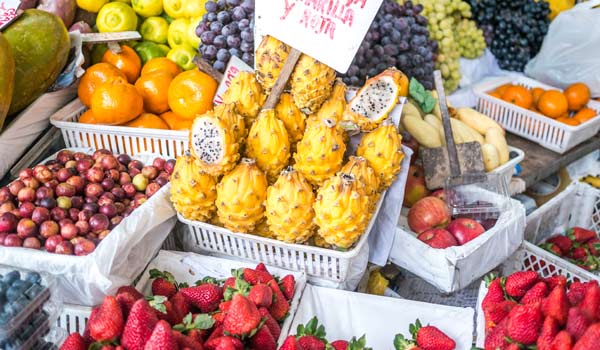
(496, 138)
(478, 121)
(410, 108)
(425, 134)
(490, 156)
(593, 181)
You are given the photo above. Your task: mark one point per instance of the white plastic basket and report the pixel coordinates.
(533, 126)
(117, 139)
(507, 169)
(317, 262)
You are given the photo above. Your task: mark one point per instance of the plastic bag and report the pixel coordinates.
(570, 50)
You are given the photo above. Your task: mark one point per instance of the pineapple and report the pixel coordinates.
(247, 95)
(311, 83)
(382, 148)
(193, 192)
(269, 143)
(289, 207)
(291, 116)
(213, 142)
(270, 55)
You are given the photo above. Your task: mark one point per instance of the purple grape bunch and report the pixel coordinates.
(226, 30)
(397, 37)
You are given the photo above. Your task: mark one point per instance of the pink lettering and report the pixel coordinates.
(349, 17)
(287, 9)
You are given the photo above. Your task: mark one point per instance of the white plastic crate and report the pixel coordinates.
(533, 126)
(507, 169)
(317, 262)
(117, 139)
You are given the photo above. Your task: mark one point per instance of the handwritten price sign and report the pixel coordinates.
(8, 11)
(328, 30)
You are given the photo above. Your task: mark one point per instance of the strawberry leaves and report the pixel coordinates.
(199, 322)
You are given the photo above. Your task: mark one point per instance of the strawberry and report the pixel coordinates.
(263, 339)
(580, 234)
(554, 281)
(495, 293)
(86, 331)
(181, 306)
(563, 243)
(164, 309)
(577, 292)
(162, 338)
(552, 248)
(519, 283)
(219, 317)
(353, 344)
(126, 296)
(538, 292)
(497, 312)
(562, 341)
(256, 276)
(243, 316)
(579, 253)
(577, 323)
(164, 283)
(74, 342)
(261, 295)
(340, 345)
(312, 335)
(107, 323)
(590, 305)
(497, 337)
(184, 341)
(196, 326)
(270, 322)
(550, 328)
(513, 346)
(139, 326)
(224, 343)
(206, 297)
(280, 307)
(224, 306)
(310, 342)
(524, 323)
(230, 282)
(198, 335)
(590, 339)
(287, 284)
(430, 337)
(556, 305)
(291, 343)
(593, 246)
(261, 267)
(401, 343)
(217, 332)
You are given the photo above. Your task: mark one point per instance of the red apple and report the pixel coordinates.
(427, 213)
(465, 230)
(415, 186)
(441, 194)
(438, 238)
(411, 142)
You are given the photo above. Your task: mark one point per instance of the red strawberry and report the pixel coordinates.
(224, 306)
(224, 343)
(270, 322)
(593, 245)
(497, 312)
(590, 305)
(577, 323)
(291, 343)
(519, 283)
(86, 331)
(550, 329)
(126, 296)
(164, 283)
(538, 292)
(579, 253)
(401, 343)
(513, 346)
(562, 341)
(261, 295)
(556, 305)
(563, 242)
(580, 234)
(310, 342)
(197, 335)
(340, 345)
(205, 297)
(524, 323)
(107, 323)
(288, 283)
(216, 333)
(139, 326)
(162, 338)
(577, 292)
(312, 335)
(590, 339)
(243, 316)
(219, 317)
(555, 281)
(230, 282)
(74, 342)
(184, 341)
(164, 309)
(181, 306)
(497, 337)
(261, 267)
(431, 338)
(552, 248)
(263, 339)
(280, 307)
(256, 276)
(495, 293)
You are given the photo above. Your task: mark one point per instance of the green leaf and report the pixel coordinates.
(423, 97)
(183, 285)
(203, 321)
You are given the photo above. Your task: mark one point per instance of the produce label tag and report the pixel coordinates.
(330, 31)
(8, 11)
(99, 38)
(234, 67)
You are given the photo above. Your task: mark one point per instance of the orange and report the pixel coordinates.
(584, 115)
(127, 61)
(175, 122)
(502, 89)
(88, 117)
(536, 92)
(116, 102)
(518, 95)
(94, 76)
(578, 95)
(495, 94)
(162, 64)
(191, 93)
(553, 104)
(568, 121)
(148, 120)
(154, 88)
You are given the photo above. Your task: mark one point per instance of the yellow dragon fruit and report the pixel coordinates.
(320, 152)
(382, 148)
(240, 197)
(213, 142)
(335, 105)
(291, 116)
(247, 95)
(269, 143)
(193, 192)
(227, 112)
(363, 173)
(341, 211)
(289, 207)
(262, 229)
(311, 83)
(270, 55)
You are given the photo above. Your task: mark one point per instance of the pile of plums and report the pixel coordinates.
(69, 204)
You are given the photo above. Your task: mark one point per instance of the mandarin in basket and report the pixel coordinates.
(518, 95)
(127, 61)
(88, 117)
(578, 95)
(175, 122)
(161, 64)
(116, 102)
(191, 93)
(536, 92)
(149, 121)
(95, 75)
(502, 89)
(495, 94)
(553, 104)
(585, 114)
(568, 120)
(154, 88)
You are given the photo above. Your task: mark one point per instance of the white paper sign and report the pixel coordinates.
(234, 67)
(330, 31)
(8, 11)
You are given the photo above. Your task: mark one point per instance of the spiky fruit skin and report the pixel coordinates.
(289, 208)
(320, 152)
(382, 148)
(365, 175)
(227, 112)
(270, 55)
(269, 144)
(311, 83)
(240, 197)
(334, 106)
(247, 95)
(193, 192)
(262, 229)
(341, 211)
(206, 132)
(291, 116)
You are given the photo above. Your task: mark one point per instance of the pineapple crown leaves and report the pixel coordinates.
(423, 97)
(312, 328)
(205, 280)
(157, 302)
(401, 343)
(200, 322)
(166, 275)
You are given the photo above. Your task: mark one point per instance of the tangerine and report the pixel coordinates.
(553, 104)
(148, 120)
(116, 102)
(95, 75)
(175, 122)
(568, 121)
(536, 92)
(585, 114)
(495, 94)
(578, 95)
(127, 61)
(88, 117)
(154, 88)
(518, 95)
(161, 64)
(502, 89)
(191, 93)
